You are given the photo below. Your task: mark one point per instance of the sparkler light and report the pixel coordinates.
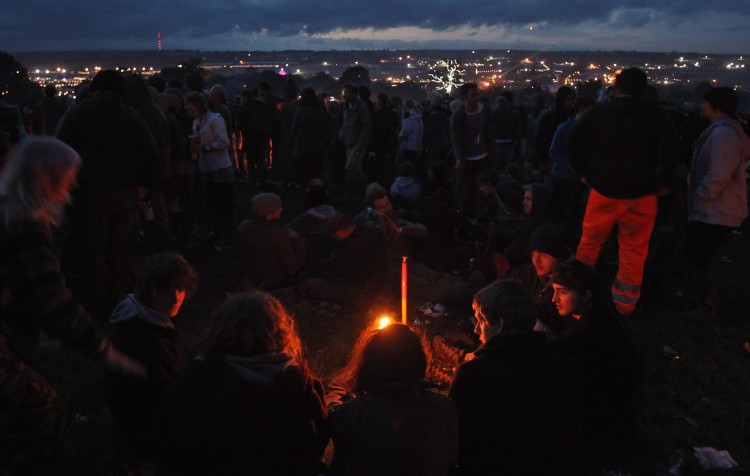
(447, 74)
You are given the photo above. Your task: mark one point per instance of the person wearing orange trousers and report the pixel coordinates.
(635, 220)
(625, 151)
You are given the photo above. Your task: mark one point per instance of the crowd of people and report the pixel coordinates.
(531, 197)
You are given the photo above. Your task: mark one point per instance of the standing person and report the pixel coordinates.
(625, 151)
(356, 131)
(567, 189)
(53, 108)
(217, 98)
(137, 96)
(506, 122)
(385, 128)
(270, 103)
(518, 399)
(251, 405)
(411, 137)
(548, 124)
(393, 425)
(437, 131)
(717, 191)
(310, 137)
(121, 162)
(255, 127)
(34, 189)
(472, 138)
(211, 143)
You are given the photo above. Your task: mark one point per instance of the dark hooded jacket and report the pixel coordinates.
(517, 252)
(246, 415)
(114, 142)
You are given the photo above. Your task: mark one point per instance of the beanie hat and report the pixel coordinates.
(549, 239)
(264, 204)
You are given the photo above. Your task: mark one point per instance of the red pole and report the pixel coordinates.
(404, 273)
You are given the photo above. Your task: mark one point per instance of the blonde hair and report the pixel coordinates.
(36, 169)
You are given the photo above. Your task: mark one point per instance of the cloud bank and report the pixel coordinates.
(664, 25)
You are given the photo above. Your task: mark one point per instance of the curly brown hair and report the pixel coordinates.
(252, 324)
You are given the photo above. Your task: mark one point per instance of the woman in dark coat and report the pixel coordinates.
(251, 406)
(393, 425)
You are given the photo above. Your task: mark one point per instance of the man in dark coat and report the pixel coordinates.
(121, 162)
(518, 399)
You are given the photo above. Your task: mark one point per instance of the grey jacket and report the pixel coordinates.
(357, 127)
(717, 193)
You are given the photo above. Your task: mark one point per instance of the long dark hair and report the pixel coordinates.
(387, 359)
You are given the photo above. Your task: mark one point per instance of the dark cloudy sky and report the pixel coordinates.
(710, 26)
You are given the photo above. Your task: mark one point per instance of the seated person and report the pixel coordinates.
(406, 191)
(142, 328)
(548, 249)
(318, 210)
(393, 425)
(313, 225)
(508, 241)
(502, 201)
(595, 337)
(352, 271)
(397, 233)
(251, 406)
(518, 399)
(268, 255)
(537, 199)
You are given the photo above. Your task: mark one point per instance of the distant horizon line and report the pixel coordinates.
(336, 50)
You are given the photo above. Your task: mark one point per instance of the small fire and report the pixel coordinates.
(384, 322)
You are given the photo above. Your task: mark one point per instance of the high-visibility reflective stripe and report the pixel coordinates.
(624, 299)
(626, 287)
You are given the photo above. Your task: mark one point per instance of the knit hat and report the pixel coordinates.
(263, 204)
(549, 239)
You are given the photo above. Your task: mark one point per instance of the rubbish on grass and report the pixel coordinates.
(711, 458)
(433, 310)
(675, 463)
(669, 352)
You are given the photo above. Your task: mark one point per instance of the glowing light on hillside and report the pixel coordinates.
(384, 322)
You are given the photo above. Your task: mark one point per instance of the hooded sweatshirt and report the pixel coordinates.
(412, 131)
(130, 308)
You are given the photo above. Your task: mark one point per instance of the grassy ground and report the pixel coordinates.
(699, 399)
